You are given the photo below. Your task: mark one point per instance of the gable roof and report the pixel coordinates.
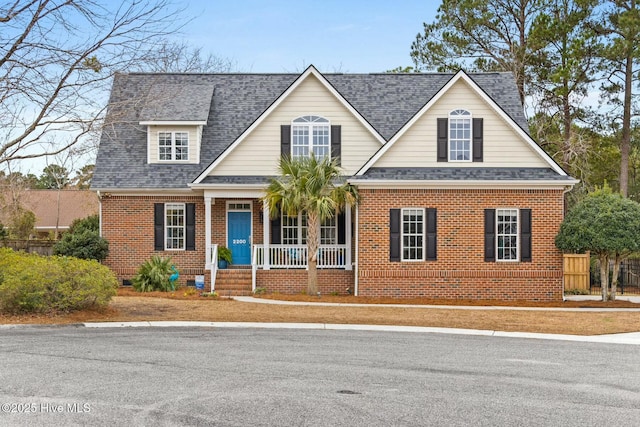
(385, 101)
(310, 71)
(461, 75)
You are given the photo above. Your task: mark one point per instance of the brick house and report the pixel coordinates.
(457, 199)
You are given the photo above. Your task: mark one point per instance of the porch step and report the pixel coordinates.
(233, 282)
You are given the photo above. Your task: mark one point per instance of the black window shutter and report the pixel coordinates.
(489, 235)
(190, 241)
(285, 140)
(525, 235)
(275, 231)
(158, 226)
(443, 139)
(342, 230)
(394, 235)
(432, 234)
(336, 143)
(477, 140)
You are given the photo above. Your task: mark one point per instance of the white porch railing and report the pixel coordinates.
(213, 262)
(295, 256)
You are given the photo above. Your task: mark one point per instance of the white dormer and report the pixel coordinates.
(175, 116)
(174, 142)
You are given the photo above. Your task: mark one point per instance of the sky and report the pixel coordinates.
(348, 36)
(285, 36)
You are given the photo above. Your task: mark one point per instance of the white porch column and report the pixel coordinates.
(347, 237)
(207, 231)
(266, 235)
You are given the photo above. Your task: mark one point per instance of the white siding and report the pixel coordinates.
(195, 136)
(502, 146)
(259, 152)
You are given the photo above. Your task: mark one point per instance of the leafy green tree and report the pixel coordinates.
(480, 35)
(619, 25)
(563, 67)
(83, 177)
(54, 177)
(21, 224)
(607, 225)
(315, 187)
(83, 240)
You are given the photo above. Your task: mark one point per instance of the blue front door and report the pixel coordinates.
(239, 236)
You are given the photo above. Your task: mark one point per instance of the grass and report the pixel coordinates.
(183, 305)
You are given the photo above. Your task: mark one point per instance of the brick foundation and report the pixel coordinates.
(295, 281)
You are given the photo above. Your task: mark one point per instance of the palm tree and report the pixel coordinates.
(315, 187)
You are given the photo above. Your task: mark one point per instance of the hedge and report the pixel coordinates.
(31, 283)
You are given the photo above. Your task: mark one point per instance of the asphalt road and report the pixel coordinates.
(261, 377)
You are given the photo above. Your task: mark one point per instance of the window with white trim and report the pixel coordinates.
(310, 134)
(460, 136)
(173, 146)
(294, 230)
(174, 226)
(507, 234)
(413, 221)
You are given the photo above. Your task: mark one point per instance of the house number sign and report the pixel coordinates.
(239, 241)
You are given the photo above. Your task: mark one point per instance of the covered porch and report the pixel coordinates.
(239, 220)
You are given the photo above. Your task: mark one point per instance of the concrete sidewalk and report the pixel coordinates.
(445, 307)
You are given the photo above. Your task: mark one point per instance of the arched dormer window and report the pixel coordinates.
(460, 136)
(310, 134)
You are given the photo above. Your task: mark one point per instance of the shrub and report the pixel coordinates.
(86, 244)
(83, 240)
(153, 275)
(35, 284)
(21, 224)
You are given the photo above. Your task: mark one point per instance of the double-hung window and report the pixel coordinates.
(173, 146)
(413, 234)
(507, 234)
(310, 134)
(460, 136)
(174, 226)
(294, 230)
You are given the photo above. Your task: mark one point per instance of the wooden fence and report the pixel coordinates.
(576, 271)
(42, 247)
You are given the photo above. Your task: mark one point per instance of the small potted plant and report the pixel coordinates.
(224, 257)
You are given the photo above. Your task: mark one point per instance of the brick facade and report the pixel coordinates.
(127, 224)
(460, 270)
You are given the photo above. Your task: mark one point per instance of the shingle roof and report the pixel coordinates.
(386, 101)
(183, 101)
(74, 204)
(471, 173)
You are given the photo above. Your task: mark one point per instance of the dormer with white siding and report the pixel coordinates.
(174, 116)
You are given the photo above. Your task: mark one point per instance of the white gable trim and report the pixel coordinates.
(458, 76)
(309, 71)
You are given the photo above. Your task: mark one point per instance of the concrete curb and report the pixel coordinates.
(632, 338)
